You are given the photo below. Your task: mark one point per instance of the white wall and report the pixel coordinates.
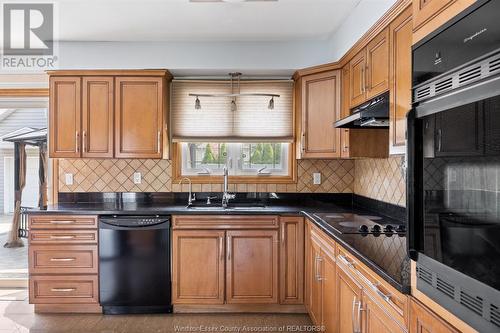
(362, 18)
(195, 57)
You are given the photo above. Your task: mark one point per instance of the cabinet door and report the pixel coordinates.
(98, 122)
(292, 260)
(139, 117)
(423, 320)
(349, 302)
(315, 285)
(357, 78)
(451, 126)
(329, 292)
(320, 109)
(198, 267)
(377, 64)
(400, 80)
(64, 117)
(377, 319)
(252, 266)
(346, 111)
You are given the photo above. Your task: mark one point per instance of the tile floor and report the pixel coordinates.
(18, 317)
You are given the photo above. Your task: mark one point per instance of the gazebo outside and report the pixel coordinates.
(13, 254)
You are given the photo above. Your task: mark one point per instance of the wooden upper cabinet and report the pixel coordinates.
(345, 112)
(357, 79)
(320, 108)
(97, 117)
(428, 15)
(377, 65)
(422, 320)
(64, 117)
(292, 260)
(139, 117)
(252, 266)
(198, 266)
(400, 80)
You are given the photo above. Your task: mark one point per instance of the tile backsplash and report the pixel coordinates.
(381, 179)
(116, 175)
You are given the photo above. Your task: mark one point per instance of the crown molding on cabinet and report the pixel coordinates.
(378, 27)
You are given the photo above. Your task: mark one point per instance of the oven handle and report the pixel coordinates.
(414, 188)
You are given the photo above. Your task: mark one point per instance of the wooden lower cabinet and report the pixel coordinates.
(252, 266)
(63, 263)
(377, 320)
(423, 320)
(349, 303)
(198, 267)
(321, 282)
(237, 263)
(291, 255)
(315, 285)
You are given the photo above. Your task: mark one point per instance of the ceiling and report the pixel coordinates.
(180, 20)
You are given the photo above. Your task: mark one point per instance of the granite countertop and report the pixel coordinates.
(385, 255)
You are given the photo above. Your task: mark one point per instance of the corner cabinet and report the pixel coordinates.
(106, 114)
(400, 80)
(319, 108)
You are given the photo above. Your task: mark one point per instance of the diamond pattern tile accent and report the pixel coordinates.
(115, 175)
(380, 179)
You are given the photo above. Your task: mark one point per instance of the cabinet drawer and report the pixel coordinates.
(58, 259)
(62, 222)
(62, 236)
(63, 289)
(225, 222)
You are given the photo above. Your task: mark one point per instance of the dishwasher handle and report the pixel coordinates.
(134, 222)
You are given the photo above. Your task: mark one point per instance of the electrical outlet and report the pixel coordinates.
(137, 178)
(68, 178)
(316, 178)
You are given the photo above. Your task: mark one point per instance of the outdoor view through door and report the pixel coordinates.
(15, 126)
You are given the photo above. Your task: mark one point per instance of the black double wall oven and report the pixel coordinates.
(454, 166)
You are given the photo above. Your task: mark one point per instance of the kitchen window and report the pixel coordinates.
(245, 159)
(244, 132)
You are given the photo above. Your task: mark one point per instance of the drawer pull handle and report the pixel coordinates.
(62, 237)
(62, 259)
(62, 222)
(385, 297)
(63, 290)
(346, 261)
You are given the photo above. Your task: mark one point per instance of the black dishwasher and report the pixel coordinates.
(134, 264)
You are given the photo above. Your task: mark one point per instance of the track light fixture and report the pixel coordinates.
(271, 103)
(233, 95)
(197, 103)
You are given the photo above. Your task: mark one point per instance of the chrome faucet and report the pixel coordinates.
(226, 196)
(191, 197)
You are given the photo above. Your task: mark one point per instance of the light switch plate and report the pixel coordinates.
(316, 178)
(137, 178)
(68, 178)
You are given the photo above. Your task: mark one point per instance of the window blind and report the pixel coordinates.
(251, 122)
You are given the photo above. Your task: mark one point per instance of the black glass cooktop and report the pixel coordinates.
(350, 223)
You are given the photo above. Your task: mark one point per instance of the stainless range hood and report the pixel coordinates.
(372, 114)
